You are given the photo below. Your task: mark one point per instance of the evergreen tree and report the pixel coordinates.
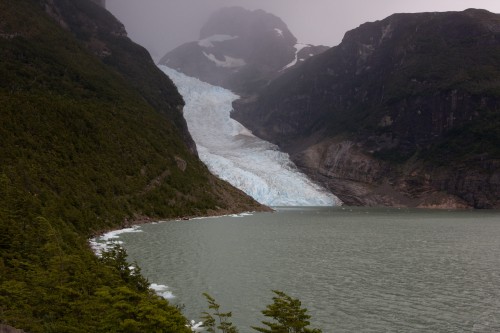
(210, 320)
(288, 316)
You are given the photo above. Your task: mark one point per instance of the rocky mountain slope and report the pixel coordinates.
(404, 112)
(240, 50)
(93, 138)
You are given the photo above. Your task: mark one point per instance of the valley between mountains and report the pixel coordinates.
(404, 112)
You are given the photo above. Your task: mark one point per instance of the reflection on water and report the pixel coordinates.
(356, 270)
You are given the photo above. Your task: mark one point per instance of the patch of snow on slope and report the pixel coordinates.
(208, 42)
(229, 62)
(298, 48)
(231, 152)
(279, 32)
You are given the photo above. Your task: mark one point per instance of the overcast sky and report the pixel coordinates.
(161, 25)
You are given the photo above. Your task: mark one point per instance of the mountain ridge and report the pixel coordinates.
(371, 117)
(240, 50)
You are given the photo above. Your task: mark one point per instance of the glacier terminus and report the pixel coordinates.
(235, 155)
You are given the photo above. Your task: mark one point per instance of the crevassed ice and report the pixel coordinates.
(231, 151)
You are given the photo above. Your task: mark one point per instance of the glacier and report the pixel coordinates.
(235, 155)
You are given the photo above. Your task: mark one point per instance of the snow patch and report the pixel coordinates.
(386, 33)
(279, 32)
(208, 42)
(298, 48)
(228, 62)
(255, 166)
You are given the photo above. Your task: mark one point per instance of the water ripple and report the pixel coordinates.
(385, 271)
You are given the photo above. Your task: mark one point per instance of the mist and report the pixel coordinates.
(162, 25)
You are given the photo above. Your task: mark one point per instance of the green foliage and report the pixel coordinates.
(51, 282)
(116, 257)
(83, 151)
(126, 310)
(218, 320)
(481, 139)
(287, 313)
(288, 316)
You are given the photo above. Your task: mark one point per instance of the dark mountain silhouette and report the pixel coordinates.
(405, 111)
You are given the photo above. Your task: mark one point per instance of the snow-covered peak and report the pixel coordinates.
(253, 44)
(208, 42)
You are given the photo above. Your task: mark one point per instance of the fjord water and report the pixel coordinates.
(231, 151)
(355, 269)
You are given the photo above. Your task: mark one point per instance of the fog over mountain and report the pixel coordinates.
(162, 25)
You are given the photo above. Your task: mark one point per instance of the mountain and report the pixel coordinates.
(101, 3)
(93, 138)
(405, 112)
(106, 38)
(240, 50)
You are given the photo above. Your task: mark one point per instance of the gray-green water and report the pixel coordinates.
(356, 270)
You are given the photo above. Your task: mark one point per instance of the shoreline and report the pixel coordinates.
(141, 220)
(111, 237)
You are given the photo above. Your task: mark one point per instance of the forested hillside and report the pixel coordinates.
(92, 139)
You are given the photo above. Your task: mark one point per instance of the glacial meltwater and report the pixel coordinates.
(355, 269)
(231, 151)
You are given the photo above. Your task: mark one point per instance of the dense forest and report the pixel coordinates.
(87, 147)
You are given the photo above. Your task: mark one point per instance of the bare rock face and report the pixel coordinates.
(101, 3)
(9, 329)
(405, 111)
(240, 50)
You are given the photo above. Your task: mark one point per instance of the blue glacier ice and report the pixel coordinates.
(234, 154)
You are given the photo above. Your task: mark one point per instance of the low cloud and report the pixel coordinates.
(162, 25)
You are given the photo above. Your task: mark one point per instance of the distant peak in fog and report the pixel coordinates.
(241, 50)
(238, 21)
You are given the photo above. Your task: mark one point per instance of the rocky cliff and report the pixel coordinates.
(405, 111)
(101, 3)
(240, 50)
